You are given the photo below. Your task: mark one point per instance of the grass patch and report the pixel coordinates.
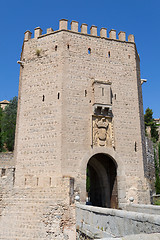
(157, 202)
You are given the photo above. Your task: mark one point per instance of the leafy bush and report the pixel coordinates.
(149, 121)
(8, 124)
(157, 171)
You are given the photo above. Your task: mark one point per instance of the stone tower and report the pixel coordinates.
(80, 116)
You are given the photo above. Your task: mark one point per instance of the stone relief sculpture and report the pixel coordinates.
(102, 132)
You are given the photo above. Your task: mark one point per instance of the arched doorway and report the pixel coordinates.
(101, 183)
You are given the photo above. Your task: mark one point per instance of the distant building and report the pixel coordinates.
(157, 120)
(4, 103)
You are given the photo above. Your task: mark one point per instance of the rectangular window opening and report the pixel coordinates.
(37, 181)
(135, 147)
(99, 110)
(102, 91)
(3, 172)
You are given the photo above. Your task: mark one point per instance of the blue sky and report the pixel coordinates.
(138, 17)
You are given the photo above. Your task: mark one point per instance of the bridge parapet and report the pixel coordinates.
(98, 222)
(141, 208)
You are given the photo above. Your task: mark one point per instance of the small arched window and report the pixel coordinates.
(89, 50)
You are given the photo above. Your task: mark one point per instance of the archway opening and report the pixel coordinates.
(101, 181)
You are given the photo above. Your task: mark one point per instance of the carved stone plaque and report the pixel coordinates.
(102, 131)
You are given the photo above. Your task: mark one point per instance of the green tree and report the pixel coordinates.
(1, 142)
(159, 154)
(9, 123)
(149, 121)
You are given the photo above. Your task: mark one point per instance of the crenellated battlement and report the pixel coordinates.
(63, 25)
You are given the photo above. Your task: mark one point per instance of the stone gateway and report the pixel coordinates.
(80, 122)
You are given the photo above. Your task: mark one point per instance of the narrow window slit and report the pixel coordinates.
(109, 54)
(3, 173)
(85, 93)
(56, 48)
(37, 181)
(99, 110)
(13, 170)
(68, 46)
(111, 95)
(135, 147)
(43, 98)
(25, 181)
(50, 181)
(58, 95)
(89, 50)
(115, 96)
(102, 91)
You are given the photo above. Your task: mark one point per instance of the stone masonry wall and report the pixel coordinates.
(80, 71)
(6, 159)
(59, 72)
(38, 213)
(150, 165)
(7, 172)
(55, 115)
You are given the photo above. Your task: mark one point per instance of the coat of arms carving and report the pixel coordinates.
(102, 131)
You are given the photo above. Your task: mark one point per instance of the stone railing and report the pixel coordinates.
(97, 222)
(141, 208)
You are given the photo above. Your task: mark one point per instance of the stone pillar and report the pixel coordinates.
(131, 38)
(37, 32)
(103, 32)
(63, 24)
(74, 26)
(49, 30)
(84, 27)
(27, 35)
(93, 30)
(122, 36)
(112, 34)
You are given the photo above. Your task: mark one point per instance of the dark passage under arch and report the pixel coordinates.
(101, 182)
